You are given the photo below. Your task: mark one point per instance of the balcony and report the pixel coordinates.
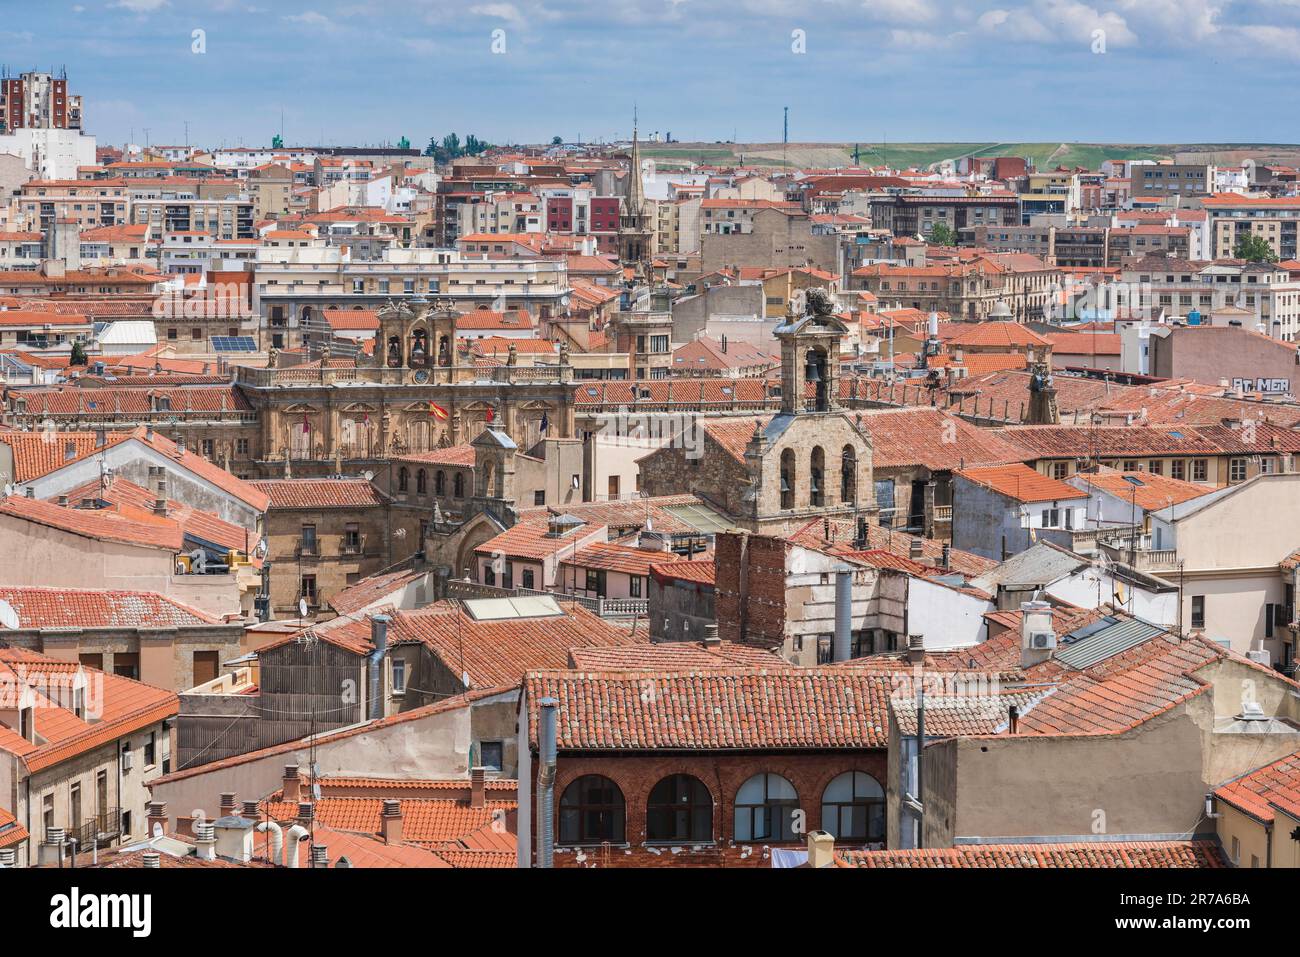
(99, 830)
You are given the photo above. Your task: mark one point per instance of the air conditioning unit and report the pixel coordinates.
(1042, 640)
(128, 758)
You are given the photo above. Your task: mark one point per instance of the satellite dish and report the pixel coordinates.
(368, 474)
(302, 607)
(464, 677)
(261, 548)
(9, 490)
(8, 617)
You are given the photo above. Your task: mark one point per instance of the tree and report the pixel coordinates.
(557, 140)
(78, 357)
(1254, 248)
(941, 234)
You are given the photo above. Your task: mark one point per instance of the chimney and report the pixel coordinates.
(8, 858)
(711, 639)
(915, 649)
(320, 855)
(63, 501)
(292, 784)
(390, 823)
(305, 813)
(51, 851)
(821, 849)
(477, 787)
(915, 550)
(251, 810)
(546, 746)
(151, 860)
(945, 560)
(1013, 719)
(227, 806)
(160, 503)
(206, 838)
(1037, 636)
(842, 646)
(157, 816)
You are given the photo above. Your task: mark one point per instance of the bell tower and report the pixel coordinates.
(810, 357)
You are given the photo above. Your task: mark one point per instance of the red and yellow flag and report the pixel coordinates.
(437, 411)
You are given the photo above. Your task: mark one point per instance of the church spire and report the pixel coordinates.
(635, 194)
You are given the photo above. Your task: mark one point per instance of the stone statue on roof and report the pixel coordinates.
(818, 302)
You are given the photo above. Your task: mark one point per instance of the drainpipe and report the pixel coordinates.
(842, 649)
(546, 747)
(375, 666)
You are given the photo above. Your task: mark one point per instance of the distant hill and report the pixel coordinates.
(923, 155)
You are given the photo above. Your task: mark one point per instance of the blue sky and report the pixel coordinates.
(369, 72)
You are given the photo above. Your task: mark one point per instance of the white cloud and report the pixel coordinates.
(140, 6)
(501, 11)
(901, 11)
(1057, 21)
(311, 18)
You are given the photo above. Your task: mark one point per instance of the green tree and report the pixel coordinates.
(941, 234)
(1254, 248)
(451, 146)
(78, 357)
(557, 140)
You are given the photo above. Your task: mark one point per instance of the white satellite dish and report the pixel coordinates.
(464, 677)
(8, 617)
(368, 474)
(302, 607)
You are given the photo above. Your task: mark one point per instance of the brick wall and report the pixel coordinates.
(722, 774)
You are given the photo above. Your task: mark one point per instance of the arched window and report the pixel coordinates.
(680, 809)
(440, 483)
(848, 475)
(458, 485)
(403, 479)
(591, 811)
(787, 478)
(853, 808)
(421, 482)
(817, 478)
(765, 807)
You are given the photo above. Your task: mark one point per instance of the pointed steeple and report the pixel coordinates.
(635, 194)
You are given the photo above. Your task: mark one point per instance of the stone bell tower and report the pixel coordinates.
(810, 357)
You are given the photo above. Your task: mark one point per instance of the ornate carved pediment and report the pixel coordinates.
(359, 408)
(300, 408)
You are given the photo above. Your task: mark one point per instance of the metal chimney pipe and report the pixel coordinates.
(151, 859)
(546, 747)
(375, 666)
(842, 648)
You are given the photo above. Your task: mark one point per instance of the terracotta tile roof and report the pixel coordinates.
(456, 456)
(880, 558)
(341, 320)
(39, 453)
(321, 493)
(625, 559)
(621, 518)
(193, 522)
(1085, 343)
(1066, 441)
(97, 608)
(1153, 491)
(673, 656)
(141, 529)
(427, 821)
(843, 532)
(735, 708)
(934, 439)
(124, 705)
(374, 589)
(1258, 792)
(708, 354)
(1010, 334)
(1021, 483)
(1144, 854)
(699, 571)
(11, 832)
(496, 653)
(534, 541)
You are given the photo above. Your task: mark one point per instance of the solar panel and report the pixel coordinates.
(234, 344)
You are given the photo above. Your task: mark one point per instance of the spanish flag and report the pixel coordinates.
(437, 411)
